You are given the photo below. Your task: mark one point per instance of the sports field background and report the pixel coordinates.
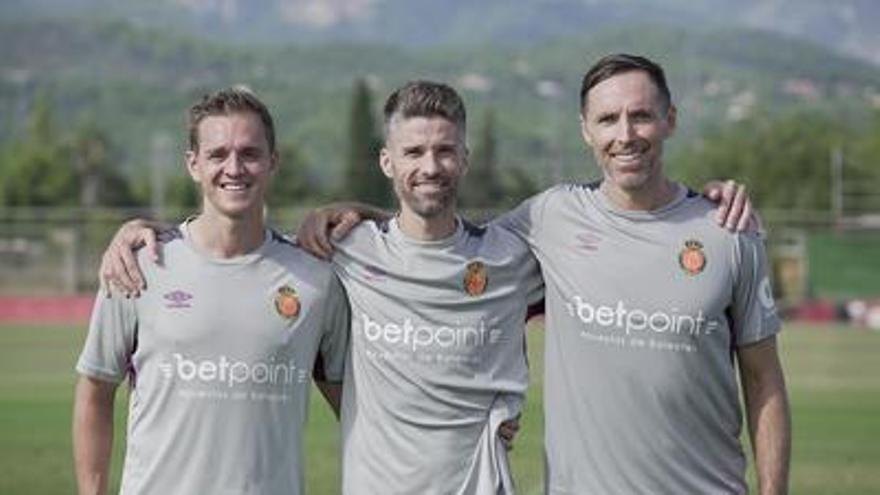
(833, 376)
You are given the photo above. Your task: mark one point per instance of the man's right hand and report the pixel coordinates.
(323, 226)
(119, 270)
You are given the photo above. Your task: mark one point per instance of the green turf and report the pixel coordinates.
(844, 265)
(832, 374)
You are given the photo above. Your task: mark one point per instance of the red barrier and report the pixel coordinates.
(70, 310)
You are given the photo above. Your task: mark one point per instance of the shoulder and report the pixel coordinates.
(364, 236)
(495, 241)
(564, 195)
(171, 245)
(287, 252)
(699, 212)
(534, 210)
(568, 190)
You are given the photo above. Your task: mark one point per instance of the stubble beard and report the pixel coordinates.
(430, 207)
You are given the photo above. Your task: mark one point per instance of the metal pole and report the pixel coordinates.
(837, 184)
(161, 155)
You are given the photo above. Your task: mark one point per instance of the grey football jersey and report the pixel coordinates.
(219, 353)
(437, 358)
(644, 313)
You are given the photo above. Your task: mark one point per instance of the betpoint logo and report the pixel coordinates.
(417, 337)
(619, 317)
(232, 372)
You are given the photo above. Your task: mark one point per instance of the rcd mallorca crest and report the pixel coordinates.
(692, 258)
(287, 302)
(475, 278)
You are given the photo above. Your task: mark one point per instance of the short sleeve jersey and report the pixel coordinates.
(645, 311)
(437, 358)
(219, 355)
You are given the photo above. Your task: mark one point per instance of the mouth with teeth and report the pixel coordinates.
(430, 185)
(629, 159)
(237, 186)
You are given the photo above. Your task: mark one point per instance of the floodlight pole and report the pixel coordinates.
(837, 185)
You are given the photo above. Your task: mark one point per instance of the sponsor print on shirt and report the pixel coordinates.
(622, 326)
(413, 341)
(226, 378)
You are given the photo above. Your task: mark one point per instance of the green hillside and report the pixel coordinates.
(136, 82)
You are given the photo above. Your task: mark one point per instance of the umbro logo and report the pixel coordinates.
(177, 299)
(374, 273)
(588, 241)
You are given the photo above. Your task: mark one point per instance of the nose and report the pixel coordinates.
(625, 131)
(430, 164)
(234, 165)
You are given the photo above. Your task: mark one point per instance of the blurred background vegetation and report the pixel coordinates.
(783, 96)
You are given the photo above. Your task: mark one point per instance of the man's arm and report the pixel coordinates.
(768, 414)
(119, 268)
(331, 223)
(332, 393)
(92, 434)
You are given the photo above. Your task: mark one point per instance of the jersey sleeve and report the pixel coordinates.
(754, 312)
(533, 280)
(337, 321)
(527, 219)
(111, 339)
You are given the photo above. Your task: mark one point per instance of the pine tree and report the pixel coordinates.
(363, 179)
(36, 172)
(94, 162)
(293, 183)
(482, 187)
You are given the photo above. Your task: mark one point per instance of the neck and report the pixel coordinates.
(427, 229)
(225, 237)
(647, 198)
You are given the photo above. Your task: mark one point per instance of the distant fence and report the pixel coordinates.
(51, 251)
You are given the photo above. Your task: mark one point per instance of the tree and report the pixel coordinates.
(293, 183)
(482, 188)
(784, 161)
(94, 162)
(861, 172)
(518, 185)
(182, 193)
(363, 179)
(36, 171)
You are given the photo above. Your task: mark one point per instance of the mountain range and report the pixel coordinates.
(134, 67)
(846, 26)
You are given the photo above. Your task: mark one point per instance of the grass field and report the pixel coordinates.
(844, 265)
(833, 375)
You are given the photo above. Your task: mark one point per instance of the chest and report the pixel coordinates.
(246, 312)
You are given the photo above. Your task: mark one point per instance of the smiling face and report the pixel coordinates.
(625, 121)
(424, 157)
(232, 164)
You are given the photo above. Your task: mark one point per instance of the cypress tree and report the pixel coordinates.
(482, 187)
(363, 179)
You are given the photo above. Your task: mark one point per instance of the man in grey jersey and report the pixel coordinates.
(437, 358)
(650, 309)
(219, 349)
